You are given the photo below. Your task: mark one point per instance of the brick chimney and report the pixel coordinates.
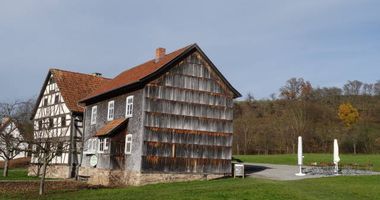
(160, 52)
(97, 74)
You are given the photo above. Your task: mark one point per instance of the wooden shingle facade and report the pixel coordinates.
(167, 119)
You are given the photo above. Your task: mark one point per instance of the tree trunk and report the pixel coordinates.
(354, 148)
(38, 169)
(6, 163)
(293, 148)
(42, 180)
(245, 142)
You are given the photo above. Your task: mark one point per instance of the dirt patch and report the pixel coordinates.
(17, 163)
(33, 186)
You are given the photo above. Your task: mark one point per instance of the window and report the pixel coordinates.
(45, 103)
(59, 149)
(103, 144)
(92, 145)
(106, 143)
(128, 144)
(94, 114)
(63, 121)
(39, 124)
(51, 122)
(111, 106)
(129, 107)
(56, 99)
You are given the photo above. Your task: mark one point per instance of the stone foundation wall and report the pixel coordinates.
(53, 171)
(119, 177)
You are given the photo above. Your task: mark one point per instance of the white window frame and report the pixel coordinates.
(101, 144)
(92, 146)
(104, 142)
(129, 107)
(94, 113)
(128, 141)
(111, 110)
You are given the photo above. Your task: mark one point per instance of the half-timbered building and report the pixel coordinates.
(58, 116)
(167, 119)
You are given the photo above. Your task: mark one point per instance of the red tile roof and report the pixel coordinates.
(136, 73)
(75, 86)
(110, 126)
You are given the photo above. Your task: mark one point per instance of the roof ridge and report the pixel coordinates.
(80, 73)
(138, 72)
(136, 66)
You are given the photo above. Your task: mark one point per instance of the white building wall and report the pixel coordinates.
(55, 111)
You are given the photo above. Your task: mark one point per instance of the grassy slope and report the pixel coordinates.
(290, 159)
(347, 188)
(17, 174)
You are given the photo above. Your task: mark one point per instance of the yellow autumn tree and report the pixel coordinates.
(348, 114)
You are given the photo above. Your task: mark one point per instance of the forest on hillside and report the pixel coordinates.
(272, 126)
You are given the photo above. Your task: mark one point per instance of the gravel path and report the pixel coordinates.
(275, 172)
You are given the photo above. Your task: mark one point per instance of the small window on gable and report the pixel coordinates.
(110, 114)
(63, 121)
(128, 144)
(39, 124)
(129, 107)
(94, 111)
(56, 99)
(45, 103)
(51, 122)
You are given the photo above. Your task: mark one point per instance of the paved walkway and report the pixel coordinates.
(274, 172)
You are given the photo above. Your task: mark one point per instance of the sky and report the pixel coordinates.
(257, 45)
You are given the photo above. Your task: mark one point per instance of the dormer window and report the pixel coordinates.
(110, 114)
(94, 114)
(129, 107)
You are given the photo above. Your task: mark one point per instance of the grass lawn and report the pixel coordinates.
(291, 159)
(347, 188)
(17, 174)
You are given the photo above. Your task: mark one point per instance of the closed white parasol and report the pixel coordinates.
(336, 155)
(300, 157)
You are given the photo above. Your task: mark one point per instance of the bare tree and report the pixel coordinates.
(368, 89)
(47, 144)
(376, 88)
(295, 89)
(11, 142)
(15, 127)
(352, 87)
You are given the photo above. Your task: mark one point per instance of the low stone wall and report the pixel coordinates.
(53, 171)
(119, 177)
